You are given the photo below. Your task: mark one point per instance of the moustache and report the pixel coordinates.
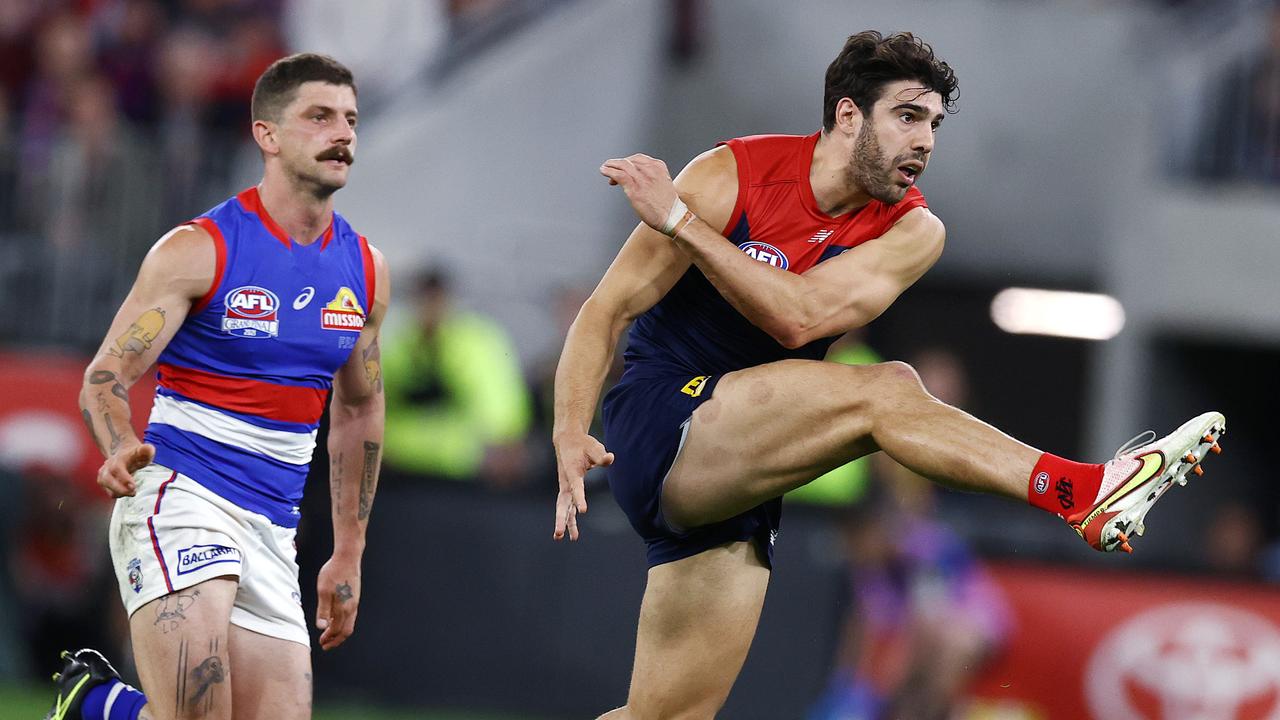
(337, 153)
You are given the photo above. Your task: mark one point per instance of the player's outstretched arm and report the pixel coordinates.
(835, 296)
(177, 271)
(644, 270)
(356, 420)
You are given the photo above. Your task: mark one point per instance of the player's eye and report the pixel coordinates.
(907, 117)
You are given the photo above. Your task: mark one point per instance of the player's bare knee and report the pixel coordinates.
(896, 378)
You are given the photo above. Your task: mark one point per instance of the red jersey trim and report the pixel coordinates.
(370, 275)
(913, 200)
(743, 161)
(252, 201)
(284, 403)
(220, 260)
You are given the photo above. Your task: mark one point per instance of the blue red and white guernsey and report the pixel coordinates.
(243, 383)
(775, 220)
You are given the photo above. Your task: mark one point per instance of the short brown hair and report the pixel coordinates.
(279, 83)
(869, 61)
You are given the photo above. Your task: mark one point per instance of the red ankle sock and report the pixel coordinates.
(1061, 486)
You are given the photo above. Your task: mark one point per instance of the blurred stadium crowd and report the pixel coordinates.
(119, 118)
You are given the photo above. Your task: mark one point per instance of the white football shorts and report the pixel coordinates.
(174, 533)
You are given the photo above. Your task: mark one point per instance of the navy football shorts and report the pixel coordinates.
(646, 417)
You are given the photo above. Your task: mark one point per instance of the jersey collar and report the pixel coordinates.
(252, 201)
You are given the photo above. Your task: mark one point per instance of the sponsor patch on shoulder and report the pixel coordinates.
(196, 557)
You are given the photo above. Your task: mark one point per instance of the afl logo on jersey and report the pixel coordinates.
(251, 312)
(765, 253)
(343, 312)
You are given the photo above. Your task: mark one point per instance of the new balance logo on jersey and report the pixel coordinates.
(198, 556)
(765, 253)
(251, 312)
(821, 235)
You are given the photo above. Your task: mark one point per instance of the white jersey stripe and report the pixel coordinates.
(287, 447)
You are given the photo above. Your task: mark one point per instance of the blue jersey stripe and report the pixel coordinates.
(254, 482)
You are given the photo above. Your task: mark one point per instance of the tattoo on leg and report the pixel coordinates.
(140, 335)
(180, 689)
(172, 611)
(368, 478)
(208, 673)
(343, 592)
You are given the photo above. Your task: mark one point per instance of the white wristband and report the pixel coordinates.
(678, 209)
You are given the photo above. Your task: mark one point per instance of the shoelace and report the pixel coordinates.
(1137, 441)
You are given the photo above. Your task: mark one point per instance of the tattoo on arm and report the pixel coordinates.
(140, 335)
(116, 438)
(88, 422)
(335, 482)
(368, 478)
(372, 357)
(343, 592)
(101, 377)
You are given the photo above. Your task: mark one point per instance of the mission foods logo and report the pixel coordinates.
(251, 312)
(765, 253)
(343, 312)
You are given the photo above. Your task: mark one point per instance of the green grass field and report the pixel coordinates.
(19, 702)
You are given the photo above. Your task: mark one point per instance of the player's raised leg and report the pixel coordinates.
(181, 647)
(273, 677)
(696, 623)
(821, 415)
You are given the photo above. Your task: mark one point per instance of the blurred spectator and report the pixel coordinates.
(57, 566)
(131, 35)
(926, 616)
(101, 215)
(565, 303)
(1233, 541)
(457, 405)
(1240, 139)
(63, 55)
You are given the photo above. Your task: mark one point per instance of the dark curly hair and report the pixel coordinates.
(278, 84)
(870, 60)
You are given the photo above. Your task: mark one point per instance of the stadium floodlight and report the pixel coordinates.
(1029, 311)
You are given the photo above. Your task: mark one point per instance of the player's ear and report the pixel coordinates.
(264, 133)
(848, 116)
